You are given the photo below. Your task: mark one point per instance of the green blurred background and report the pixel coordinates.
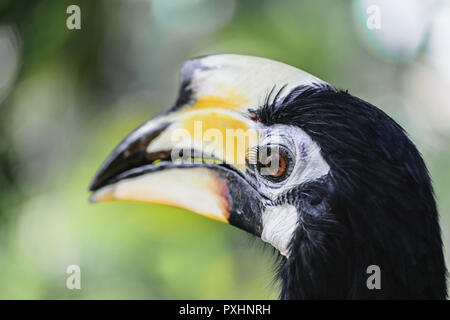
(68, 96)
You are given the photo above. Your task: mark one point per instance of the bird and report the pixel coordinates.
(330, 181)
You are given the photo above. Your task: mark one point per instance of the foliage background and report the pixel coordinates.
(68, 96)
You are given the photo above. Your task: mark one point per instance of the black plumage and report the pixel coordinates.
(376, 204)
(350, 191)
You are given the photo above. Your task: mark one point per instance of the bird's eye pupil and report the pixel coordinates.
(280, 167)
(273, 163)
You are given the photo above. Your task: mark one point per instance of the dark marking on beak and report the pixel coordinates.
(130, 153)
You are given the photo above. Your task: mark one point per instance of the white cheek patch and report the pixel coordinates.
(309, 166)
(279, 224)
(316, 166)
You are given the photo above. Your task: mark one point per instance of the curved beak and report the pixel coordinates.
(194, 159)
(195, 154)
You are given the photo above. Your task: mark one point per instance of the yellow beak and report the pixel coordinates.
(194, 154)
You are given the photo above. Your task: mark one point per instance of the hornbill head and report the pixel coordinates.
(329, 180)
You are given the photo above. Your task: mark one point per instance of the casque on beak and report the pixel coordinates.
(194, 154)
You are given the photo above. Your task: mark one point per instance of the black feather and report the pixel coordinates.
(376, 205)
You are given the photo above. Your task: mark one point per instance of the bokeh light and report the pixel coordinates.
(68, 97)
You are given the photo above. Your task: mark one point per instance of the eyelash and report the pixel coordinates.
(252, 154)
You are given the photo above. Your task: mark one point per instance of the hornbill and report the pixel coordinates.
(329, 180)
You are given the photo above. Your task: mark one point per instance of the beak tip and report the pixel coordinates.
(96, 182)
(92, 199)
(102, 194)
(93, 185)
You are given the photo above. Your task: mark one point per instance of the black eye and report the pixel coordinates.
(274, 162)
